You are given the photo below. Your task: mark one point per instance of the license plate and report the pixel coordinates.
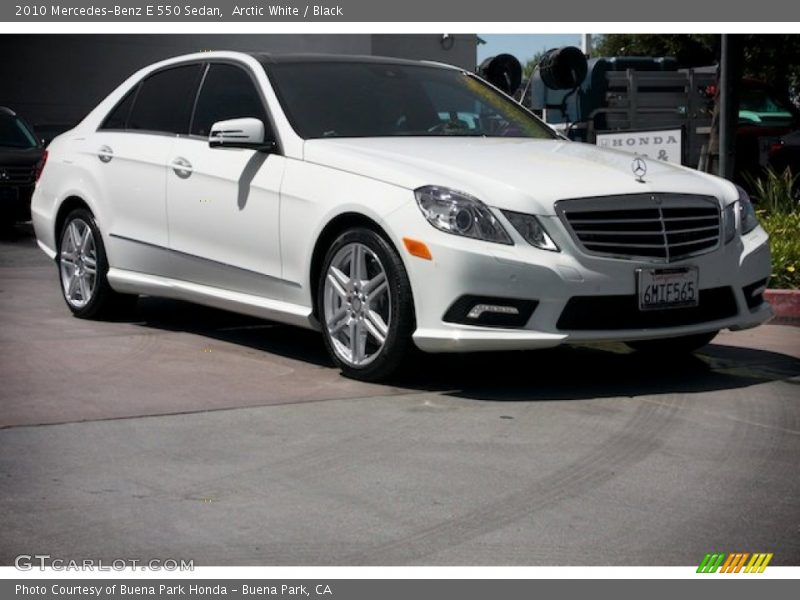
(667, 288)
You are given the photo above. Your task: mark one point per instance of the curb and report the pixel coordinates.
(786, 306)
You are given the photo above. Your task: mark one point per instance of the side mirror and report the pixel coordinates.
(246, 132)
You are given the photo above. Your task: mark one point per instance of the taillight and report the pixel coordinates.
(774, 147)
(40, 165)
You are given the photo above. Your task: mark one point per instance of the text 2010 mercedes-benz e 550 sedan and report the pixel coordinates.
(389, 204)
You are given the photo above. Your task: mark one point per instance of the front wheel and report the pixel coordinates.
(677, 345)
(365, 305)
(82, 266)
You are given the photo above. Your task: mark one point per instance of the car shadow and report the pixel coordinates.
(17, 232)
(562, 373)
(284, 340)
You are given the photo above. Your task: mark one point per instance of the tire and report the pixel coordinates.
(355, 312)
(672, 346)
(83, 267)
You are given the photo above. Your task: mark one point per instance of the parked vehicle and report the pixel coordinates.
(639, 94)
(765, 119)
(21, 157)
(761, 105)
(629, 93)
(389, 204)
(784, 153)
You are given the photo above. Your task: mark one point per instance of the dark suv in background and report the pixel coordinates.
(21, 158)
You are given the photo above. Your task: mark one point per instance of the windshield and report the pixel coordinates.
(15, 134)
(351, 99)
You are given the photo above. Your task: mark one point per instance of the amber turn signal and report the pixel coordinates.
(417, 248)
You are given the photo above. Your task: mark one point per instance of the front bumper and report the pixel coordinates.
(465, 267)
(15, 201)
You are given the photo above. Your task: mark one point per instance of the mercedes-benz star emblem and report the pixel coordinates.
(3, 174)
(639, 168)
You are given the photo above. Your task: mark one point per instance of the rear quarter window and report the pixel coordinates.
(118, 118)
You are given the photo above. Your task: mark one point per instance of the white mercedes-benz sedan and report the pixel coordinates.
(390, 204)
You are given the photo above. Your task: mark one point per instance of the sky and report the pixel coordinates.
(524, 46)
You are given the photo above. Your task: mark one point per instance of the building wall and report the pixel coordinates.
(59, 78)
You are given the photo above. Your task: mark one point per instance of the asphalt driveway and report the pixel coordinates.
(190, 433)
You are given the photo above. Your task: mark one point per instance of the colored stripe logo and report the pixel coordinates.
(735, 562)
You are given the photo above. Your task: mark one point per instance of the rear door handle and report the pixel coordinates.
(105, 154)
(182, 167)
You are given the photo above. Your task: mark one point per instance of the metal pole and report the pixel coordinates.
(586, 43)
(729, 76)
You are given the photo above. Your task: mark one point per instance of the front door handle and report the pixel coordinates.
(182, 167)
(105, 154)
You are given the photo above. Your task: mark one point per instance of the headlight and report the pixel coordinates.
(729, 222)
(460, 214)
(531, 229)
(747, 214)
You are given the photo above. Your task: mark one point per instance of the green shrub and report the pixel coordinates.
(777, 200)
(776, 192)
(784, 241)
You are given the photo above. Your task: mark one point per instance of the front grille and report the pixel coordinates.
(658, 227)
(17, 175)
(608, 313)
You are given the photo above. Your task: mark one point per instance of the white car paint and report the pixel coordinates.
(205, 239)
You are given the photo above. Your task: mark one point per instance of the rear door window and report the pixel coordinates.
(165, 100)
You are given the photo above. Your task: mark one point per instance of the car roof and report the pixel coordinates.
(316, 58)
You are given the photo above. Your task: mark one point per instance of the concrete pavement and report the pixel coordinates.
(191, 433)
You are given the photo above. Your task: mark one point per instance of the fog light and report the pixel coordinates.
(490, 311)
(479, 309)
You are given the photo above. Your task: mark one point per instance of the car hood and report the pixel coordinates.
(512, 173)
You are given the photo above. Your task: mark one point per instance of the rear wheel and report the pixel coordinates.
(677, 345)
(82, 266)
(365, 305)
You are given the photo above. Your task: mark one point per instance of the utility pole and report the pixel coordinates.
(730, 75)
(586, 44)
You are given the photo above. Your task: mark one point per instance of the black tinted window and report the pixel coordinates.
(227, 93)
(118, 118)
(15, 134)
(165, 100)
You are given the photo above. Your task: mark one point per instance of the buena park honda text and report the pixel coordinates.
(389, 204)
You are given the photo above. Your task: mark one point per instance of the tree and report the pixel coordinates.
(529, 67)
(773, 58)
(690, 50)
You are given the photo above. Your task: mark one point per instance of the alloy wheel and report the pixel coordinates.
(357, 304)
(78, 263)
